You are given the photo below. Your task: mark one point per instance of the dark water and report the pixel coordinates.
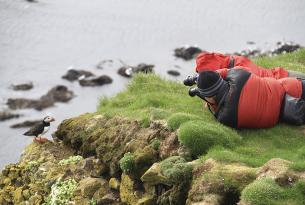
(39, 41)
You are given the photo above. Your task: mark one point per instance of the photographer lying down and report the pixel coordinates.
(241, 99)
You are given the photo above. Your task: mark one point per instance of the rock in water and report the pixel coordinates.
(187, 52)
(59, 93)
(5, 115)
(23, 86)
(173, 72)
(27, 123)
(96, 81)
(73, 74)
(286, 48)
(128, 71)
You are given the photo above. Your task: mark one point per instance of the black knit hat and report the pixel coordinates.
(209, 82)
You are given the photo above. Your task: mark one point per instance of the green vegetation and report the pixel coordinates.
(156, 144)
(267, 192)
(176, 169)
(127, 163)
(70, 160)
(175, 120)
(199, 136)
(150, 97)
(61, 192)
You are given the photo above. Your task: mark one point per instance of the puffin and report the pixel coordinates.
(39, 129)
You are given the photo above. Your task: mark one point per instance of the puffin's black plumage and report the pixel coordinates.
(37, 129)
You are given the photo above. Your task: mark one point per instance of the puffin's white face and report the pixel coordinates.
(48, 119)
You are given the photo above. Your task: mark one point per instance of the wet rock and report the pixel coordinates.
(23, 86)
(282, 47)
(286, 47)
(73, 74)
(96, 81)
(5, 115)
(173, 72)
(59, 93)
(27, 123)
(128, 71)
(187, 52)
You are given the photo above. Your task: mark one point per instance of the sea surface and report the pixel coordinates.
(40, 41)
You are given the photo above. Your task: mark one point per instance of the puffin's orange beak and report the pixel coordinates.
(52, 119)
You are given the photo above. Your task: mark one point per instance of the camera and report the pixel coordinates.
(190, 80)
(193, 92)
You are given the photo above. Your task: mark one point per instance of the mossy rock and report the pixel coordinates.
(225, 181)
(262, 192)
(200, 136)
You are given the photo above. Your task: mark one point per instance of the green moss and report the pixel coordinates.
(262, 192)
(175, 120)
(156, 144)
(199, 136)
(127, 163)
(61, 192)
(176, 169)
(266, 191)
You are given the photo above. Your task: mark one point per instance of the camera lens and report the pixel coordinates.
(189, 81)
(193, 92)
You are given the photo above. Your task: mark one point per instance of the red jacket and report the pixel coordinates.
(254, 102)
(214, 61)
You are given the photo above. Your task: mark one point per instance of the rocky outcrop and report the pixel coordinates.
(101, 160)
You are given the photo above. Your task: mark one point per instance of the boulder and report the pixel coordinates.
(154, 176)
(173, 72)
(128, 71)
(23, 86)
(96, 81)
(59, 93)
(27, 123)
(5, 115)
(73, 74)
(286, 47)
(88, 186)
(219, 183)
(187, 52)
